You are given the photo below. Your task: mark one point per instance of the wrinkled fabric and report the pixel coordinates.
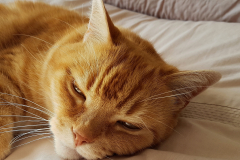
(209, 127)
(187, 10)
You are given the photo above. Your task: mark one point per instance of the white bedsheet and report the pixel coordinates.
(210, 127)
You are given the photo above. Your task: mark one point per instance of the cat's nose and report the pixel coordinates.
(79, 139)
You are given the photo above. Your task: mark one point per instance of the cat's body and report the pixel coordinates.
(91, 77)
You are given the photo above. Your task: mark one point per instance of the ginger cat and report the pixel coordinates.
(102, 89)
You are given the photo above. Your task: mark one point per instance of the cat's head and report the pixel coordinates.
(111, 93)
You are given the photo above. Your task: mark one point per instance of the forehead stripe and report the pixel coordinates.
(118, 80)
(116, 62)
(136, 89)
(131, 94)
(91, 80)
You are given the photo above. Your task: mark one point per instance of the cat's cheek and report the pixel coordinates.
(62, 133)
(66, 152)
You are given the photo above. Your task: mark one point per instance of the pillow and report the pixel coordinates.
(193, 10)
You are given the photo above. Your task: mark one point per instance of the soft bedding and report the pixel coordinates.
(209, 128)
(197, 10)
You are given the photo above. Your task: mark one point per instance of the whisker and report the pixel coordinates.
(31, 54)
(69, 25)
(34, 135)
(16, 104)
(25, 84)
(168, 96)
(173, 91)
(9, 103)
(27, 100)
(25, 126)
(33, 37)
(22, 121)
(23, 117)
(36, 130)
(164, 124)
(32, 141)
(25, 110)
(19, 130)
(144, 124)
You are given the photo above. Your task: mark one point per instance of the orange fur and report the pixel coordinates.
(45, 49)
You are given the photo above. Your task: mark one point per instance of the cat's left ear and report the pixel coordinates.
(100, 27)
(188, 84)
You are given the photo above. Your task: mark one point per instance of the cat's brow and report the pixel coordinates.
(133, 108)
(115, 63)
(117, 81)
(91, 80)
(131, 94)
(136, 89)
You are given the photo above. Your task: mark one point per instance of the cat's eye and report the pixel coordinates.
(128, 125)
(78, 90)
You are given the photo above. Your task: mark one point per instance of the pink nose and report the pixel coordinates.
(79, 139)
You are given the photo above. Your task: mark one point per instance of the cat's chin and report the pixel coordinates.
(66, 152)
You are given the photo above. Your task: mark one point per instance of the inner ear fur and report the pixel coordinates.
(100, 27)
(188, 84)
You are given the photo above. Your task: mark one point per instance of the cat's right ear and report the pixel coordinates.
(188, 84)
(100, 28)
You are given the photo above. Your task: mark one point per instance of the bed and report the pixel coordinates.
(199, 35)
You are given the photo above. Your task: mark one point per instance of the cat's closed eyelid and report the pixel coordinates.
(129, 126)
(77, 90)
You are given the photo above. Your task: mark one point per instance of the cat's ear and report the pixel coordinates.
(100, 27)
(188, 84)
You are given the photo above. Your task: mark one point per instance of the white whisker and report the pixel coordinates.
(144, 124)
(25, 126)
(16, 104)
(23, 117)
(33, 141)
(34, 135)
(69, 25)
(164, 124)
(36, 130)
(23, 121)
(24, 110)
(31, 54)
(27, 100)
(19, 130)
(168, 96)
(173, 91)
(32, 37)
